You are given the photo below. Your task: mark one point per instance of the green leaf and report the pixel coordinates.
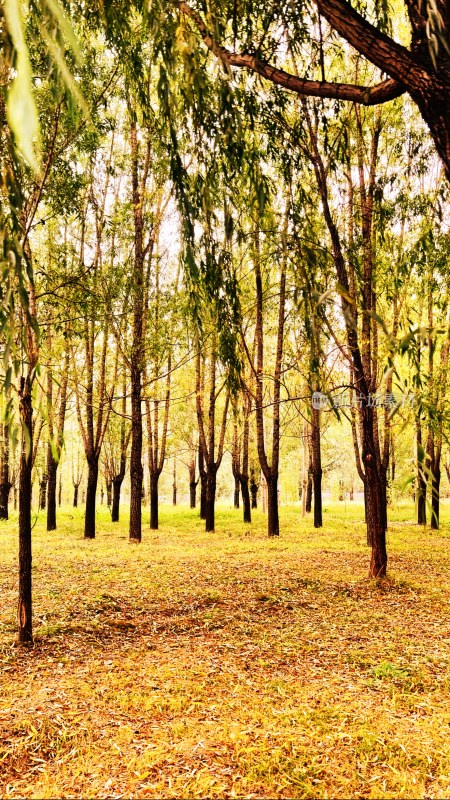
(20, 105)
(55, 52)
(65, 27)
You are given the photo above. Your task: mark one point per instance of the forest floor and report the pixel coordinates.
(227, 664)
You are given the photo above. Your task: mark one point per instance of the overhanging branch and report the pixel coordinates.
(368, 96)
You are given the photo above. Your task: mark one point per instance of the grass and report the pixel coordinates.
(226, 665)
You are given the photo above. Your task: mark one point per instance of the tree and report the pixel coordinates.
(422, 70)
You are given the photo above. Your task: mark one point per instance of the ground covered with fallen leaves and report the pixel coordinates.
(227, 664)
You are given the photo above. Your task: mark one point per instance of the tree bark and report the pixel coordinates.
(115, 507)
(210, 501)
(43, 492)
(52, 467)
(273, 524)
(136, 361)
(246, 498)
(154, 510)
(316, 467)
(91, 490)
(5, 484)
(237, 490)
(25, 625)
(253, 489)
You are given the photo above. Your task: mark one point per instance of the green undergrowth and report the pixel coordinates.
(228, 664)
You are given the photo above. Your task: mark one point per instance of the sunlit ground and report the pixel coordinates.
(228, 664)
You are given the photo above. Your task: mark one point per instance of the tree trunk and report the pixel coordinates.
(43, 493)
(421, 480)
(253, 489)
(236, 491)
(202, 473)
(246, 498)
(5, 485)
(136, 469)
(316, 459)
(317, 479)
(192, 493)
(154, 521)
(115, 508)
(91, 490)
(210, 500)
(309, 492)
(273, 524)
(52, 467)
(108, 493)
(25, 624)
(60, 491)
(76, 486)
(4, 497)
(435, 494)
(374, 519)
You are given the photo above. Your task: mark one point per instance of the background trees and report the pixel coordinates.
(190, 254)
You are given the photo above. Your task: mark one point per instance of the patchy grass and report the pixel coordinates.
(226, 664)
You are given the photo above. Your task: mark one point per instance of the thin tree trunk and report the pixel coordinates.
(52, 466)
(236, 491)
(421, 479)
(5, 484)
(25, 625)
(154, 515)
(253, 489)
(246, 498)
(115, 508)
(136, 468)
(43, 492)
(76, 487)
(174, 485)
(316, 467)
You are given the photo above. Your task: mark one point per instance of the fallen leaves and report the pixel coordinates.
(200, 670)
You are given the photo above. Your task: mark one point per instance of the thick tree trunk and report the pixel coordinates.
(52, 467)
(91, 490)
(154, 521)
(210, 500)
(192, 493)
(246, 498)
(25, 625)
(109, 493)
(273, 523)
